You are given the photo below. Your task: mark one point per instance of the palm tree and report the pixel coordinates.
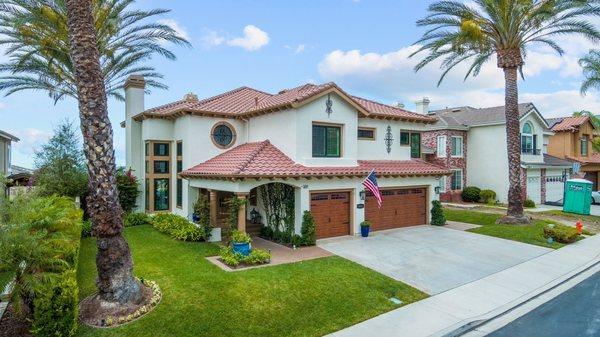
(116, 283)
(505, 29)
(35, 33)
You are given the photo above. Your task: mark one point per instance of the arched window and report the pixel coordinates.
(528, 140)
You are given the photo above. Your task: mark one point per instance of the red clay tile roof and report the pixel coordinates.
(570, 123)
(262, 159)
(246, 102)
(593, 159)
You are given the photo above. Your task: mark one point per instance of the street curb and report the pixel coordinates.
(473, 323)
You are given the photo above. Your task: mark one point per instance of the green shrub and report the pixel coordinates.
(365, 223)
(266, 232)
(471, 194)
(240, 237)
(128, 187)
(528, 203)
(56, 307)
(487, 196)
(309, 233)
(178, 227)
(437, 214)
(137, 219)
(86, 229)
(297, 240)
(232, 259)
(561, 233)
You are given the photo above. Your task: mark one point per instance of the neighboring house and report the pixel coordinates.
(572, 140)
(316, 138)
(6, 139)
(471, 142)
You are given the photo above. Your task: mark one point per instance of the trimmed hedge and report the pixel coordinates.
(56, 306)
(528, 203)
(137, 219)
(561, 233)
(178, 227)
(470, 194)
(487, 196)
(308, 230)
(437, 214)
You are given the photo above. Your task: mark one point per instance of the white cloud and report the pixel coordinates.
(30, 140)
(179, 30)
(301, 48)
(254, 38)
(562, 103)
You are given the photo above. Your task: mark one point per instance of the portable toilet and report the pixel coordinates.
(578, 196)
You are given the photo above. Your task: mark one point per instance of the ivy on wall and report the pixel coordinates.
(278, 203)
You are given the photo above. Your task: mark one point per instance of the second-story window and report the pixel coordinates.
(457, 146)
(584, 146)
(528, 140)
(441, 146)
(412, 139)
(366, 133)
(326, 141)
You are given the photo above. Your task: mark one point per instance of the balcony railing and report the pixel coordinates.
(530, 151)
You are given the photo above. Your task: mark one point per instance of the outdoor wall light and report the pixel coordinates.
(362, 195)
(437, 190)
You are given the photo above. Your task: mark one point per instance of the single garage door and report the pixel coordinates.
(555, 187)
(401, 208)
(331, 211)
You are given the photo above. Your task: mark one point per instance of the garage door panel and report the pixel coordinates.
(331, 211)
(401, 208)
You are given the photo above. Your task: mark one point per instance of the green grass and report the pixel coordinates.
(532, 234)
(309, 298)
(575, 217)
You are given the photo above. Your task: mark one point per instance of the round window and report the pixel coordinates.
(223, 135)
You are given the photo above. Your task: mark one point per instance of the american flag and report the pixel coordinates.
(370, 183)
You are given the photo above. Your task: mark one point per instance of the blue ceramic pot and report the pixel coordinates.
(241, 248)
(364, 231)
(195, 218)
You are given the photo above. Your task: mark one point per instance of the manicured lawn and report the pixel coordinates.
(310, 298)
(532, 234)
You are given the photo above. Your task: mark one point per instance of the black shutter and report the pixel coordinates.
(535, 144)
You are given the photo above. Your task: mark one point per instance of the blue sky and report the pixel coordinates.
(362, 45)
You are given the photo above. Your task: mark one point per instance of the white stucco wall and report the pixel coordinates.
(278, 127)
(377, 149)
(538, 129)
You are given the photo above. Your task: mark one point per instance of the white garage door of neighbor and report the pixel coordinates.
(534, 189)
(555, 187)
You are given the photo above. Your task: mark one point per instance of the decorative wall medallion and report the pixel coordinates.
(328, 105)
(389, 139)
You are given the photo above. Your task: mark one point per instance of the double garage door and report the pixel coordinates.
(401, 208)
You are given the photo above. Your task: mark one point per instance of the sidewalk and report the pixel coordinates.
(483, 299)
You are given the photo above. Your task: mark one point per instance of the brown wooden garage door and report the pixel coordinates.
(331, 211)
(400, 208)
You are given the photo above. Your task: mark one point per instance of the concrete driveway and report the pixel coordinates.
(433, 259)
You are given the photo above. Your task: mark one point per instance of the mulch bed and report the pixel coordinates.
(13, 326)
(93, 314)
(242, 265)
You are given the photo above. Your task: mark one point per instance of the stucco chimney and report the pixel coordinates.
(134, 104)
(423, 106)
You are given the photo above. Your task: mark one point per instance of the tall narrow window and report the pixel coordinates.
(584, 146)
(179, 201)
(457, 146)
(441, 147)
(161, 194)
(326, 141)
(415, 145)
(158, 176)
(457, 183)
(527, 139)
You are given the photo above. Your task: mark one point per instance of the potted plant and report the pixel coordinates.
(241, 242)
(365, 226)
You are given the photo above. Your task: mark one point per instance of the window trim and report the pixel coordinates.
(151, 177)
(374, 130)
(585, 140)
(341, 142)
(233, 138)
(439, 153)
(461, 179)
(178, 179)
(462, 147)
(527, 135)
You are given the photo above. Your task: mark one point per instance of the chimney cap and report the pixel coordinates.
(423, 100)
(191, 97)
(135, 81)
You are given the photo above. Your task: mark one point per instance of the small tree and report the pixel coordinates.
(202, 210)
(437, 214)
(309, 233)
(60, 164)
(128, 187)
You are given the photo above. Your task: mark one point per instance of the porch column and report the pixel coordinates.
(212, 195)
(242, 212)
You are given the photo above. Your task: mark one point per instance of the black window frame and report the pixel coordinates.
(154, 191)
(179, 148)
(368, 130)
(179, 192)
(159, 162)
(158, 153)
(326, 153)
(405, 138)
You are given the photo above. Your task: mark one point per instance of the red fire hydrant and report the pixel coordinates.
(579, 227)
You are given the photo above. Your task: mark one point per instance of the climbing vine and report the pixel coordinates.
(278, 203)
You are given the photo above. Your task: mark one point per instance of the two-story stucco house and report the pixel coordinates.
(316, 138)
(471, 142)
(572, 140)
(6, 140)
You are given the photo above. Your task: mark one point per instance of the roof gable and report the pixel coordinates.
(572, 123)
(467, 116)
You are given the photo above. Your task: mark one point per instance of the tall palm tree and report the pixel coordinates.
(591, 71)
(35, 34)
(476, 33)
(116, 283)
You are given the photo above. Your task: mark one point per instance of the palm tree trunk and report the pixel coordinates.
(113, 260)
(513, 144)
